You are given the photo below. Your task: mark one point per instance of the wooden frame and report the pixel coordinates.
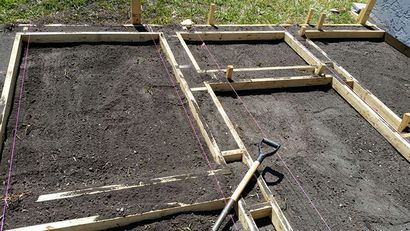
(94, 223)
(241, 154)
(371, 108)
(54, 37)
(250, 35)
(371, 100)
(344, 34)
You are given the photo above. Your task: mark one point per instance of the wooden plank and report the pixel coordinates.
(97, 223)
(188, 51)
(264, 210)
(232, 155)
(309, 16)
(271, 83)
(365, 13)
(136, 12)
(378, 106)
(194, 89)
(301, 50)
(310, 68)
(321, 21)
(373, 118)
(76, 37)
(344, 34)
(9, 85)
(245, 217)
(118, 187)
(232, 35)
(211, 14)
(277, 24)
(398, 45)
(192, 104)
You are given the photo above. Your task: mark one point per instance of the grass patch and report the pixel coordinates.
(171, 11)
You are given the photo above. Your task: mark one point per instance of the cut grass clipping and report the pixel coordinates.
(171, 12)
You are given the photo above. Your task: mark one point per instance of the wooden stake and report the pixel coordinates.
(136, 12)
(302, 31)
(319, 70)
(309, 16)
(229, 73)
(365, 13)
(211, 14)
(404, 122)
(321, 21)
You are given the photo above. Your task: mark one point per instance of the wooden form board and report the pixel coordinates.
(344, 34)
(96, 223)
(249, 35)
(359, 98)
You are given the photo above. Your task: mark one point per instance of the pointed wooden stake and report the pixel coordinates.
(211, 14)
(321, 21)
(404, 122)
(302, 31)
(229, 73)
(309, 15)
(136, 12)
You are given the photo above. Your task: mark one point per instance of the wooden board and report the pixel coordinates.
(77, 37)
(301, 50)
(232, 35)
(7, 94)
(270, 83)
(96, 223)
(395, 139)
(310, 68)
(344, 34)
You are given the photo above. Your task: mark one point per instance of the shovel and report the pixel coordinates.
(238, 191)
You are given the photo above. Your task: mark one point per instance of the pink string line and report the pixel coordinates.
(191, 123)
(203, 45)
(13, 149)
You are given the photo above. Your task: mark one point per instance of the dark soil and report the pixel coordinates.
(357, 180)
(96, 115)
(378, 66)
(215, 122)
(245, 54)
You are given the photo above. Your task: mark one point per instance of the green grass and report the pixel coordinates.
(170, 11)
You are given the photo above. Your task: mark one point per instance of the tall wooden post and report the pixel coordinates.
(365, 13)
(211, 15)
(136, 12)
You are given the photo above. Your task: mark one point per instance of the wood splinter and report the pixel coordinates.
(211, 15)
(321, 21)
(229, 73)
(404, 122)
